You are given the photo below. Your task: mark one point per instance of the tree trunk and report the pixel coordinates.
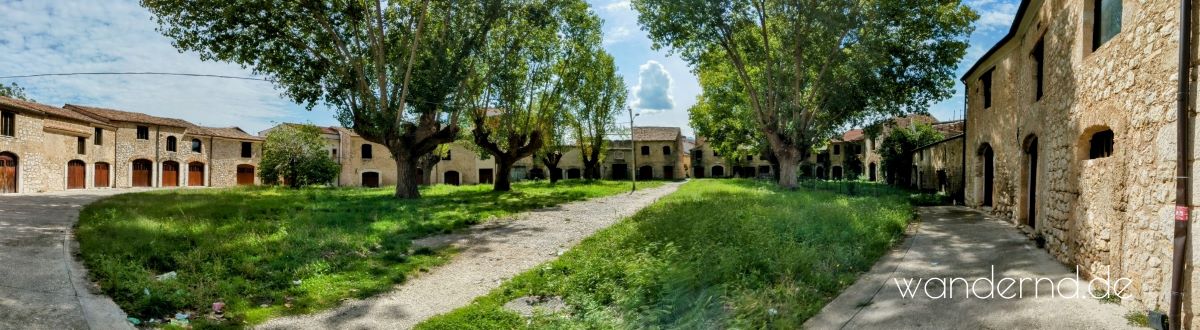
(591, 170)
(551, 161)
(789, 165)
(503, 180)
(407, 179)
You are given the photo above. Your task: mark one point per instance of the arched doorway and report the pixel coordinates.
(837, 172)
(988, 158)
(196, 174)
(645, 173)
(142, 173)
(100, 175)
(450, 177)
(76, 174)
(245, 175)
(370, 179)
(871, 172)
(8, 173)
(487, 176)
(718, 171)
(820, 172)
(698, 172)
(536, 174)
(573, 173)
(1031, 155)
(170, 174)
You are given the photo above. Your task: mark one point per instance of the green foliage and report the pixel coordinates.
(722, 115)
(601, 96)
(807, 68)
(247, 246)
(896, 150)
(15, 91)
(690, 262)
(296, 154)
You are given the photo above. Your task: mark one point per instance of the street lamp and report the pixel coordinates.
(633, 148)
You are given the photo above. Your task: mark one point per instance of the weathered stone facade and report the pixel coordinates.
(1040, 161)
(104, 144)
(938, 166)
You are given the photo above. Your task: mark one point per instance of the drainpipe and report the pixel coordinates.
(1183, 182)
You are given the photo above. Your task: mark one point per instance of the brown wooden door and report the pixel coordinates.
(141, 173)
(170, 174)
(245, 175)
(370, 179)
(76, 174)
(196, 174)
(100, 175)
(8, 174)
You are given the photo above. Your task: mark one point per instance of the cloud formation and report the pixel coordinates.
(653, 91)
(119, 36)
(993, 14)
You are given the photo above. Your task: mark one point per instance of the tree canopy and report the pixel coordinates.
(808, 67)
(15, 91)
(896, 150)
(297, 156)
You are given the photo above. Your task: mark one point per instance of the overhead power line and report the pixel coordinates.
(132, 74)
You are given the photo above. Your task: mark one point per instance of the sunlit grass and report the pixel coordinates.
(266, 251)
(716, 254)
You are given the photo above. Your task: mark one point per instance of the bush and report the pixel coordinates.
(296, 155)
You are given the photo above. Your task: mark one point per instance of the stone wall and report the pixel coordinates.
(24, 144)
(932, 161)
(1110, 216)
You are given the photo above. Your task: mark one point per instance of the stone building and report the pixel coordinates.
(708, 163)
(660, 156)
(938, 166)
(45, 148)
(1071, 135)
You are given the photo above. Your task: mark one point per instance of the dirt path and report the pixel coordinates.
(492, 252)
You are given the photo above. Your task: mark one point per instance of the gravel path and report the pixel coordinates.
(492, 252)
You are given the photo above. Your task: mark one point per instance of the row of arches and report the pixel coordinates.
(141, 174)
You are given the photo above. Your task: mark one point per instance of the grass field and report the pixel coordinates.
(716, 254)
(266, 251)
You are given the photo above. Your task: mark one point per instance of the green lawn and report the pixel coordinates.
(267, 251)
(715, 254)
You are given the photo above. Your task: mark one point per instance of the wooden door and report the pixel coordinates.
(76, 174)
(8, 174)
(196, 174)
(370, 179)
(245, 175)
(100, 175)
(141, 173)
(170, 174)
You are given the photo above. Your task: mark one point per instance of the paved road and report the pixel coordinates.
(42, 284)
(492, 252)
(957, 242)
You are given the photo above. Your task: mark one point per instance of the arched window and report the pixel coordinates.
(667, 150)
(197, 146)
(1101, 144)
(366, 151)
(645, 150)
(171, 143)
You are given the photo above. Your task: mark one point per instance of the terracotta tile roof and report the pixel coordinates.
(853, 135)
(68, 128)
(223, 132)
(650, 133)
(126, 116)
(949, 127)
(46, 109)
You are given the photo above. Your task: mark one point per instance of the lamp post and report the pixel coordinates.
(633, 148)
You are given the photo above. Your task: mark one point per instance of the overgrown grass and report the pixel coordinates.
(716, 254)
(267, 251)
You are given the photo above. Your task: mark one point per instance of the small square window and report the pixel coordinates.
(8, 123)
(143, 133)
(98, 136)
(81, 145)
(986, 81)
(247, 149)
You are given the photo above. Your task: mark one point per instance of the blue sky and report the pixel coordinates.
(56, 36)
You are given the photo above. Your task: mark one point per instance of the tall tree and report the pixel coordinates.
(808, 67)
(394, 71)
(15, 91)
(599, 99)
(525, 79)
(896, 150)
(723, 117)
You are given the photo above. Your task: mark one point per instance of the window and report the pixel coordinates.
(1101, 145)
(645, 150)
(447, 156)
(197, 146)
(367, 153)
(667, 150)
(8, 123)
(986, 81)
(1106, 21)
(247, 149)
(921, 155)
(715, 154)
(171, 143)
(98, 136)
(81, 145)
(837, 150)
(1039, 67)
(143, 133)
(334, 153)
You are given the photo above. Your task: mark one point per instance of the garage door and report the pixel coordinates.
(76, 174)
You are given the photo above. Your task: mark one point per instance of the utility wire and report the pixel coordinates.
(132, 73)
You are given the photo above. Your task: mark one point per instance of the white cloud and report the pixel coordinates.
(618, 34)
(618, 6)
(653, 91)
(994, 16)
(119, 36)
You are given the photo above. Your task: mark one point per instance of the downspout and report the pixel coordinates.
(1183, 182)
